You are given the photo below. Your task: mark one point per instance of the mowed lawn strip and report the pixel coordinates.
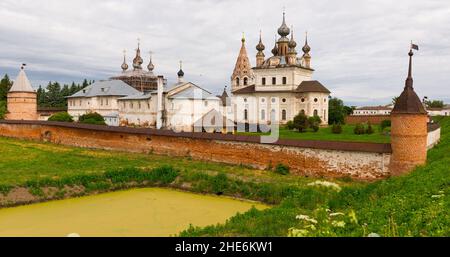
(325, 133)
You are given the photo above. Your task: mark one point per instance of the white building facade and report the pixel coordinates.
(279, 87)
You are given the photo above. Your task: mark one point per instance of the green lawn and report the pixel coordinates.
(324, 133)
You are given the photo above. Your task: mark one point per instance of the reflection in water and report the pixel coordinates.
(136, 212)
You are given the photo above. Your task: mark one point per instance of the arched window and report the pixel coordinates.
(237, 81)
(245, 114)
(283, 114)
(263, 114)
(245, 81)
(315, 112)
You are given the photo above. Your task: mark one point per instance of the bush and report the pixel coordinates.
(282, 169)
(61, 116)
(336, 128)
(92, 118)
(359, 129)
(300, 122)
(385, 124)
(369, 129)
(290, 125)
(314, 122)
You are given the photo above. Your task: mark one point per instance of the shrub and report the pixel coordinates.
(336, 128)
(369, 129)
(282, 169)
(61, 116)
(300, 122)
(92, 118)
(314, 122)
(290, 125)
(384, 124)
(359, 129)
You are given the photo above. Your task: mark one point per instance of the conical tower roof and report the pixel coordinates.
(243, 66)
(408, 102)
(21, 83)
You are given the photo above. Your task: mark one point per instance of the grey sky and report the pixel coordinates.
(359, 48)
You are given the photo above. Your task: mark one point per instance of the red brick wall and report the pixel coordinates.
(373, 119)
(367, 163)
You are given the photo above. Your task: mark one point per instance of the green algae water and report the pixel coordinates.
(135, 212)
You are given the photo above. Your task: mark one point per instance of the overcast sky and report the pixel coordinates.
(359, 48)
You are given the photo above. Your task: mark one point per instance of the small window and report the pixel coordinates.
(263, 100)
(263, 114)
(274, 81)
(237, 81)
(324, 100)
(283, 114)
(245, 100)
(283, 100)
(106, 101)
(303, 100)
(263, 81)
(103, 89)
(273, 99)
(245, 81)
(284, 80)
(315, 112)
(101, 102)
(315, 100)
(245, 114)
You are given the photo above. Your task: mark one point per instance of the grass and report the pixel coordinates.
(325, 133)
(416, 204)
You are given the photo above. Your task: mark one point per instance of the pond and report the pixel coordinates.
(135, 212)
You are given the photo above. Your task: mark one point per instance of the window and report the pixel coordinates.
(101, 102)
(283, 114)
(325, 115)
(273, 99)
(315, 112)
(245, 100)
(106, 101)
(103, 89)
(274, 81)
(303, 100)
(237, 81)
(315, 100)
(131, 105)
(263, 100)
(245, 81)
(283, 100)
(263, 81)
(245, 114)
(324, 100)
(284, 80)
(263, 114)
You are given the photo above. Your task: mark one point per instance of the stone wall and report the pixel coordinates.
(373, 119)
(363, 161)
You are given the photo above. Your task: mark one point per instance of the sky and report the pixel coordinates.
(359, 48)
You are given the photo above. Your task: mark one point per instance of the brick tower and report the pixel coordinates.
(408, 130)
(22, 99)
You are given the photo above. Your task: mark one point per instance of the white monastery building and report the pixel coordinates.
(279, 87)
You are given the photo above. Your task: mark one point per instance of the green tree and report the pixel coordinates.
(336, 112)
(41, 96)
(314, 123)
(85, 83)
(434, 104)
(61, 116)
(2, 109)
(349, 110)
(5, 85)
(74, 88)
(300, 122)
(53, 96)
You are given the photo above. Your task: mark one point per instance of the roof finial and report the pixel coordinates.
(124, 65)
(180, 72)
(243, 38)
(150, 66)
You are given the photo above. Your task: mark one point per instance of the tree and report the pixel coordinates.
(61, 116)
(2, 109)
(74, 88)
(394, 100)
(53, 95)
(41, 96)
(336, 112)
(434, 104)
(349, 110)
(85, 83)
(314, 122)
(300, 122)
(5, 85)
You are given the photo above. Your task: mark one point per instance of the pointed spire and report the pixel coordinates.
(283, 30)
(124, 64)
(260, 46)
(243, 38)
(408, 101)
(137, 61)
(21, 83)
(292, 44)
(275, 48)
(306, 48)
(181, 72)
(150, 65)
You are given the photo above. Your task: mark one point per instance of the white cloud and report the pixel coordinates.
(358, 47)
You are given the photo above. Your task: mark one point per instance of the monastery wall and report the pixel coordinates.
(373, 119)
(362, 161)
